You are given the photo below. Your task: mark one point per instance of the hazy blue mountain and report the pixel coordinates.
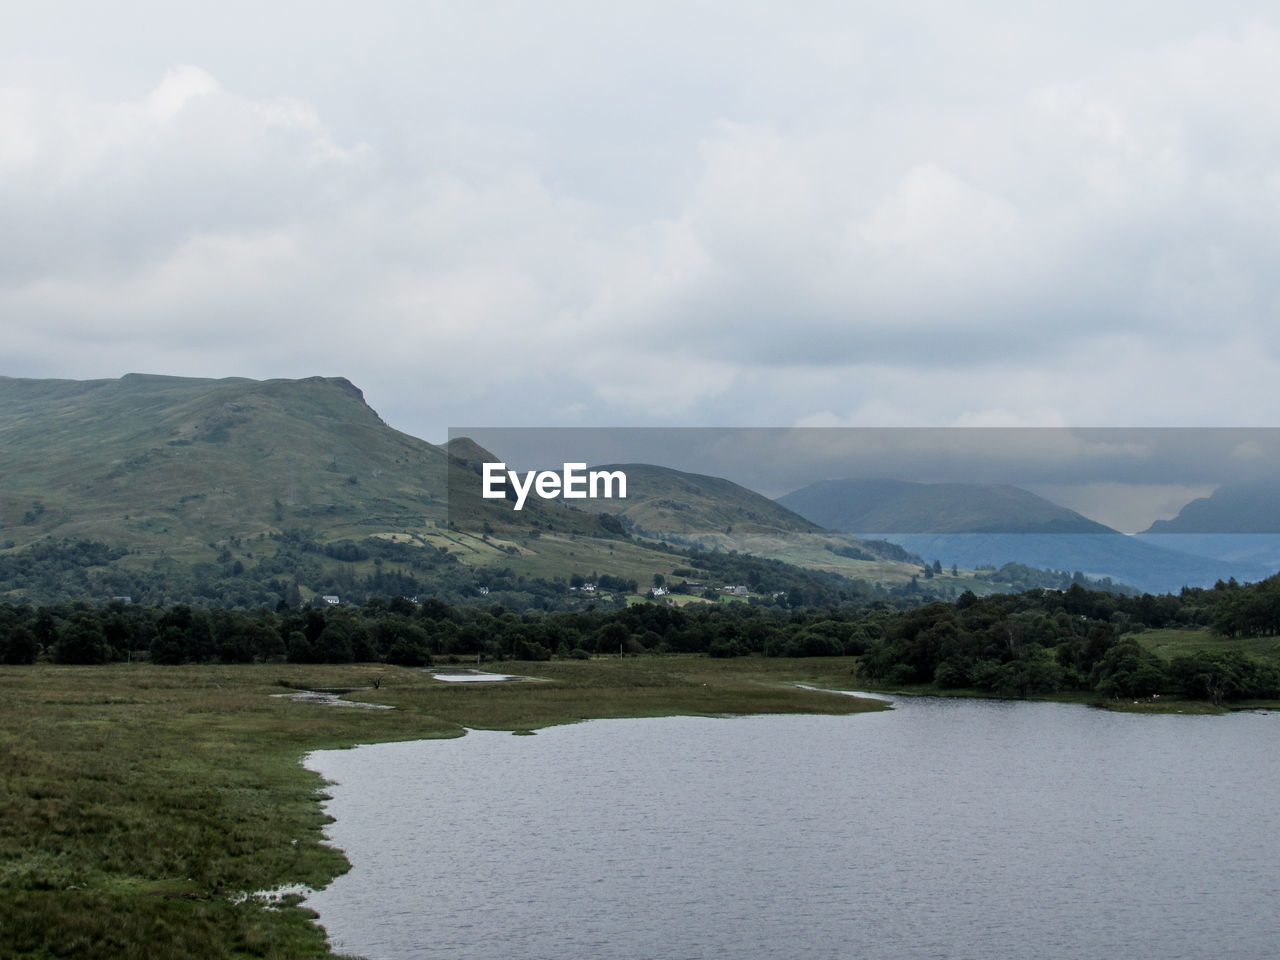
(973, 525)
(1238, 523)
(1234, 508)
(901, 506)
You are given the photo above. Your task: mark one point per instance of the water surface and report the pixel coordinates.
(941, 829)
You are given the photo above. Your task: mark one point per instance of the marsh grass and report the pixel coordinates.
(141, 803)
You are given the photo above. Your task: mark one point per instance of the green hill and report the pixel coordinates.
(284, 484)
(243, 492)
(183, 464)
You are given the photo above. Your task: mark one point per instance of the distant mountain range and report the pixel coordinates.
(901, 507)
(978, 524)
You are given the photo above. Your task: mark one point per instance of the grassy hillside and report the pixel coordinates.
(188, 477)
(242, 492)
(177, 464)
(665, 502)
(1172, 642)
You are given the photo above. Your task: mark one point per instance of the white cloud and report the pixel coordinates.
(180, 85)
(697, 215)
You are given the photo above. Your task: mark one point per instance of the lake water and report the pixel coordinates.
(940, 829)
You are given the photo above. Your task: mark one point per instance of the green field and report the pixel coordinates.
(1168, 644)
(141, 803)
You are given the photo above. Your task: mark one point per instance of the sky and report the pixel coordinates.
(742, 214)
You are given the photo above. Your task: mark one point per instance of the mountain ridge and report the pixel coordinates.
(883, 505)
(1237, 508)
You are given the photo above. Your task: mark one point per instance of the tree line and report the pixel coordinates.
(1038, 641)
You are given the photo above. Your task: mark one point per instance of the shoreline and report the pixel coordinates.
(145, 798)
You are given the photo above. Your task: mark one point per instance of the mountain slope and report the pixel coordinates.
(243, 492)
(188, 481)
(1238, 523)
(1231, 509)
(662, 501)
(167, 459)
(901, 506)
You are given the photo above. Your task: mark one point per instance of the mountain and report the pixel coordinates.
(1231, 509)
(181, 461)
(974, 525)
(241, 492)
(662, 501)
(172, 487)
(901, 506)
(1238, 523)
(1148, 566)
(178, 462)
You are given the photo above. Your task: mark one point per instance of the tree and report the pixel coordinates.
(1034, 671)
(400, 642)
(19, 646)
(1224, 675)
(168, 647)
(1129, 670)
(613, 637)
(45, 629)
(82, 642)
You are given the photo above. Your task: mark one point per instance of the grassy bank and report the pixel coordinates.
(1171, 643)
(138, 801)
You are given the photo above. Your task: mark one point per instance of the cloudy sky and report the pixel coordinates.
(660, 214)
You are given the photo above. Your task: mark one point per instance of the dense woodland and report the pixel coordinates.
(1036, 642)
